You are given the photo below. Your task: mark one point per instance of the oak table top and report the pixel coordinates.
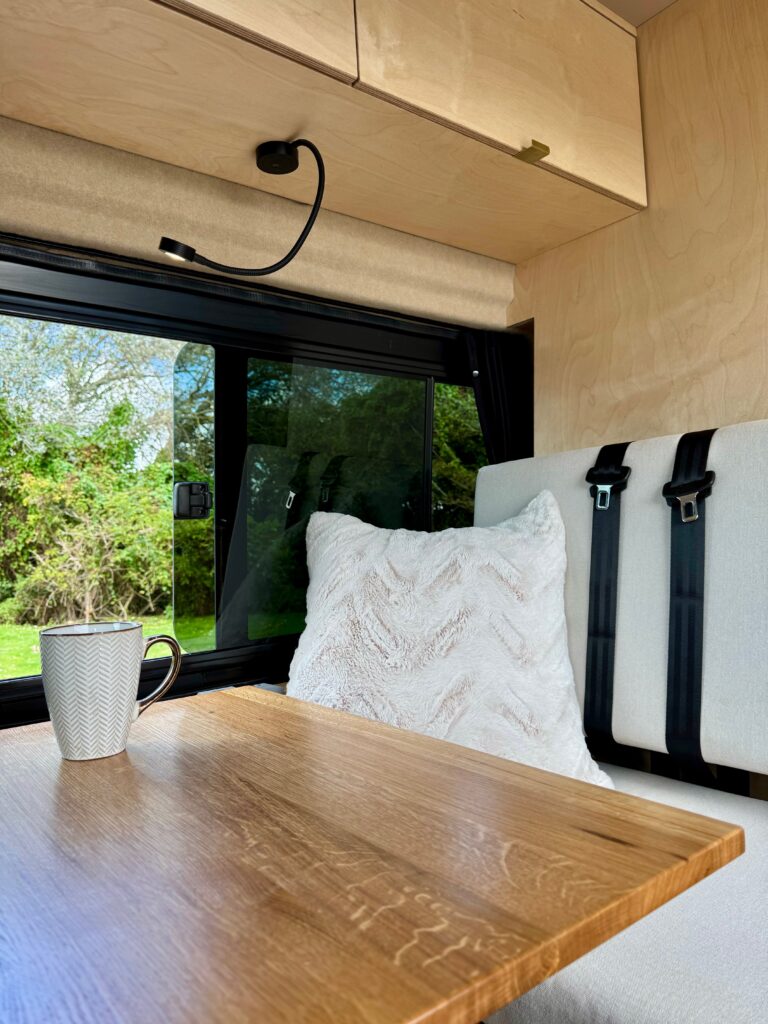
(252, 858)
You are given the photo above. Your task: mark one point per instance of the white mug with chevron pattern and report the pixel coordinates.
(91, 682)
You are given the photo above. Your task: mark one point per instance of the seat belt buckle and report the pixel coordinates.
(688, 494)
(290, 499)
(606, 482)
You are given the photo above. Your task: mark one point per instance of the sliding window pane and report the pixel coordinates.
(319, 439)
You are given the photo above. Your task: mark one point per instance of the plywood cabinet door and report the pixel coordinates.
(509, 71)
(320, 33)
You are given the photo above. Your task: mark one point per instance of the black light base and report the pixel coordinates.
(277, 157)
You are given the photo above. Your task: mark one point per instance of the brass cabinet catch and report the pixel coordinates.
(536, 151)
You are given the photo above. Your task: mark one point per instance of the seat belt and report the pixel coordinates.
(686, 495)
(608, 478)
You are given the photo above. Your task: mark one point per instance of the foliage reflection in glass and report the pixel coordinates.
(322, 439)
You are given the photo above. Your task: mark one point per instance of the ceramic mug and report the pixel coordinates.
(91, 682)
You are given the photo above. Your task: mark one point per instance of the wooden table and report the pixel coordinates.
(255, 859)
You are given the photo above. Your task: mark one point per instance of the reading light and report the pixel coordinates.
(176, 250)
(272, 158)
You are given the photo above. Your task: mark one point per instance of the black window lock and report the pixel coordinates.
(191, 501)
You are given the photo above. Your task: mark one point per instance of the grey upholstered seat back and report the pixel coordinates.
(734, 721)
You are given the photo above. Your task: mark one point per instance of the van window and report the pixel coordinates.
(95, 427)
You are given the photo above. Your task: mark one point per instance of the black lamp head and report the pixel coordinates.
(176, 250)
(277, 157)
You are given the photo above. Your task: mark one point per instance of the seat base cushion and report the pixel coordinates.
(700, 959)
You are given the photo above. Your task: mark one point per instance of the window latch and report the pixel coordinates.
(192, 501)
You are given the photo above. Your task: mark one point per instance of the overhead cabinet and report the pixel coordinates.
(510, 71)
(199, 83)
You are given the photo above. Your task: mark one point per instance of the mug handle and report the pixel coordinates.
(170, 679)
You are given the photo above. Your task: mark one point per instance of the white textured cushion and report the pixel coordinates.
(459, 634)
(700, 959)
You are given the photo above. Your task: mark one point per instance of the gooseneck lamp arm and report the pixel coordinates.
(274, 158)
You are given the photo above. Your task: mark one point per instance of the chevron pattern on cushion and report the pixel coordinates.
(459, 635)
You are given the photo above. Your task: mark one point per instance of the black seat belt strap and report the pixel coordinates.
(686, 495)
(608, 478)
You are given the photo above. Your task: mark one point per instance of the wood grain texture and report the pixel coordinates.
(659, 325)
(254, 858)
(506, 73)
(319, 33)
(128, 75)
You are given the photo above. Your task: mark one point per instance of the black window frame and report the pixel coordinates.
(49, 281)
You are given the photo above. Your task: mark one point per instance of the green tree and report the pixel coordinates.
(18, 460)
(85, 472)
(71, 376)
(97, 529)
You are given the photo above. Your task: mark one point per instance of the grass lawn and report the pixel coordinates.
(20, 646)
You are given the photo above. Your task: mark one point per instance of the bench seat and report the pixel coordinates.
(700, 959)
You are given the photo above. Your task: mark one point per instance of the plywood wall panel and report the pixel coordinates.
(660, 323)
